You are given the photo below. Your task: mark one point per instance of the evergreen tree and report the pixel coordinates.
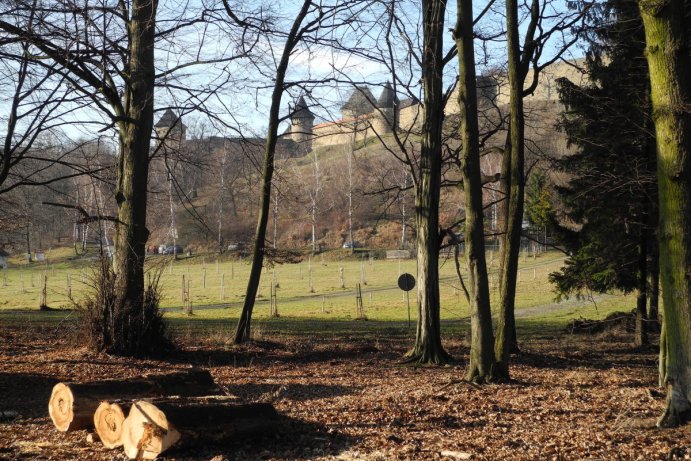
(611, 195)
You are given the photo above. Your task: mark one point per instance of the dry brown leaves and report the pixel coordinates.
(344, 399)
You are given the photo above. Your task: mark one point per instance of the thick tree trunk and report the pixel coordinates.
(132, 177)
(72, 405)
(151, 429)
(110, 414)
(506, 328)
(242, 331)
(641, 334)
(667, 34)
(482, 340)
(428, 348)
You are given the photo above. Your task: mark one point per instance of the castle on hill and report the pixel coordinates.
(364, 116)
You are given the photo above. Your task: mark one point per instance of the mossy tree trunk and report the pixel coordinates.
(667, 34)
(428, 347)
(242, 331)
(482, 341)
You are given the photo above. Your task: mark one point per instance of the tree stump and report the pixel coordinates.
(72, 405)
(110, 415)
(151, 429)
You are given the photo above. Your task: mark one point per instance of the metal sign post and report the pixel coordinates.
(406, 282)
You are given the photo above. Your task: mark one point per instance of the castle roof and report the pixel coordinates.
(387, 99)
(168, 119)
(361, 101)
(301, 110)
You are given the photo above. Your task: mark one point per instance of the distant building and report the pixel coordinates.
(4, 256)
(363, 116)
(170, 131)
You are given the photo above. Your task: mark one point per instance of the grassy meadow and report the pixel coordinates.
(310, 295)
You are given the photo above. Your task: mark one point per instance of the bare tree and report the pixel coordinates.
(106, 52)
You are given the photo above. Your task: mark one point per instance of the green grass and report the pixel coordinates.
(329, 307)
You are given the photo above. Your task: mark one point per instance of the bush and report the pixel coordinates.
(117, 327)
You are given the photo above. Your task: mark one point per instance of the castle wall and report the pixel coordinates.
(542, 109)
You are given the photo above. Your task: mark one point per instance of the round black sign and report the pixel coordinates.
(406, 282)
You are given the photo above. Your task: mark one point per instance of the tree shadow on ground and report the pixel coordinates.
(293, 439)
(280, 353)
(27, 394)
(296, 392)
(600, 358)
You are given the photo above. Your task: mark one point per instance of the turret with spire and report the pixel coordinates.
(301, 124)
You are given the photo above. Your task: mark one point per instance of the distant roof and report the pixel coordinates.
(361, 101)
(387, 99)
(168, 119)
(301, 110)
(408, 102)
(3, 253)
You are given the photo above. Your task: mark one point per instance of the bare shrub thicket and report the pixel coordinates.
(128, 329)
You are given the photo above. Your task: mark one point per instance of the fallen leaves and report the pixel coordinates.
(573, 400)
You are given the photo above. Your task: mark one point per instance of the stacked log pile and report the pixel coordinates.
(151, 414)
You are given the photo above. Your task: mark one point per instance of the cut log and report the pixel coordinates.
(72, 405)
(110, 415)
(108, 419)
(150, 430)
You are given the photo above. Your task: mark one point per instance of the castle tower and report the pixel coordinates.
(361, 102)
(170, 131)
(384, 116)
(302, 122)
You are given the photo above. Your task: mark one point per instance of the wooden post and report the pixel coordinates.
(182, 292)
(188, 304)
(21, 282)
(68, 286)
(309, 276)
(223, 288)
(274, 302)
(534, 274)
(362, 273)
(32, 279)
(370, 300)
(358, 301)
(232, 271)
(44, 293)
(323, 302)
(300, 270)
(204, 278)
(340, 272)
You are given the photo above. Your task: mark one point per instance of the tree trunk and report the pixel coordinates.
(428, 347)
(482, 341)
(506, 328)
(641, 334)
(151, 429)
(72, 405)
(653, 307)
(667, 37)
(242, 332)
(131, 189)
(110, 414)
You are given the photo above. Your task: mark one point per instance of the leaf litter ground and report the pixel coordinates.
(346, 398)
